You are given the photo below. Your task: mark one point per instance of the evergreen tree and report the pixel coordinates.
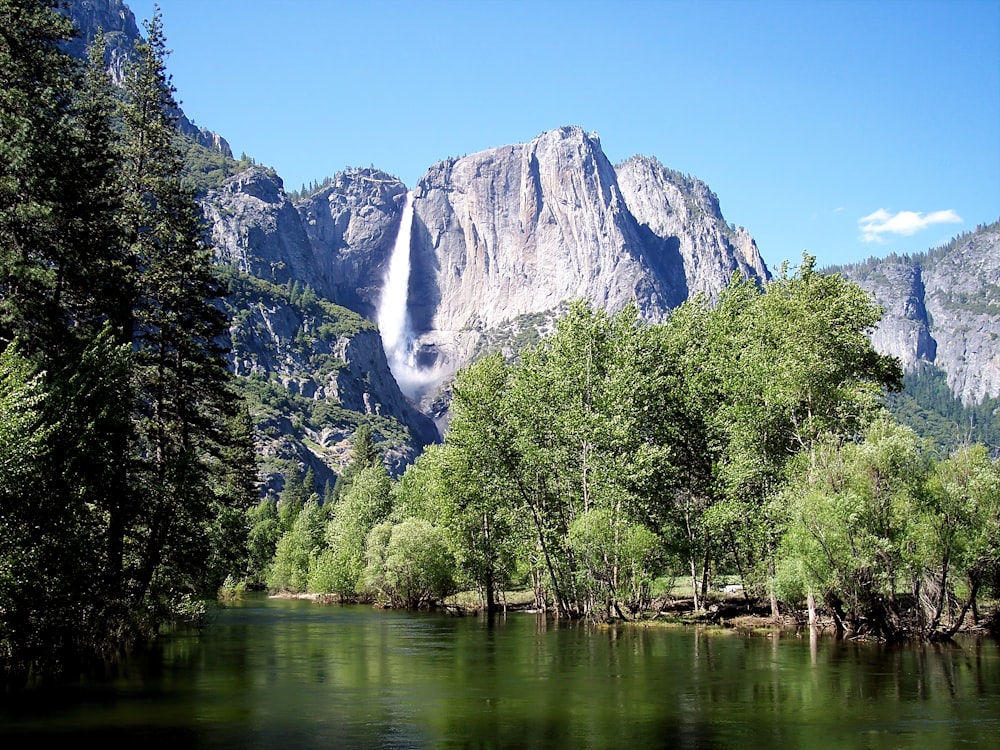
(37, 81)
(93, 288)
(58, 246)
(181, 380)
(120, 447)
(366, 453)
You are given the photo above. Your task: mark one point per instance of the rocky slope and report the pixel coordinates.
(351, 225)
(683, 212)
(121, 33)
(942, 309)
(313, 369)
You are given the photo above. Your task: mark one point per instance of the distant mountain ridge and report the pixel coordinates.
(942, 310)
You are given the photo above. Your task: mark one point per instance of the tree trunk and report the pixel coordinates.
(491, 604)
(839, 619)
(704, 575)
(775, 613)
(694, 583)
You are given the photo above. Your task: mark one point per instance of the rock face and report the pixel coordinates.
(351, 225)
(256, 228)
(520, 229)
(942, 308)
(683, 212)
(120, 32)
(322, 363)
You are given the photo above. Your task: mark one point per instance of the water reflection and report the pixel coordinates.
(292, 674)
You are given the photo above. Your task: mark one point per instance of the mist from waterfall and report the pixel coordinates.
(394, 322)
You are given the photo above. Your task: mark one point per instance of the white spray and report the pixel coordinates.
(393, 313)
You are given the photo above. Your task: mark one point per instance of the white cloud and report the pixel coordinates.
(904, 223)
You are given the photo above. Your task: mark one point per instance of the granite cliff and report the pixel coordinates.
(519, 230)
(682, 211)
(351, 225)
(942, 310)
(312, 369)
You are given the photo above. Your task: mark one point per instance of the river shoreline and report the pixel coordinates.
(728, 614)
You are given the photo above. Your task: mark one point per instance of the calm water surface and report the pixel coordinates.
(290, 674)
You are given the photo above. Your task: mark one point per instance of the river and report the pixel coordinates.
(291, 674)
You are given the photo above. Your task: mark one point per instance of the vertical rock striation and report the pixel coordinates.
(942, 308)
(521, 229)
(351, 225)
(684, 214)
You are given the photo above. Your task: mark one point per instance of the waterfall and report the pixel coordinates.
(393, 314)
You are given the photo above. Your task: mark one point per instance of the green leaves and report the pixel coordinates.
(850, 524)
(409, 563)
(120, 456)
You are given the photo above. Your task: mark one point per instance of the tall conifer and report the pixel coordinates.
(177, 327)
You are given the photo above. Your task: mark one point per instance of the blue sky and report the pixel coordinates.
(847, 129)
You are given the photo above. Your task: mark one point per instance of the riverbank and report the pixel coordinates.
(725, 612)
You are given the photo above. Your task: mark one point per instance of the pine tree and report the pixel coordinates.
(177, 325)
(124, 466)
(58, 218)
(95, 288)
(36, 136)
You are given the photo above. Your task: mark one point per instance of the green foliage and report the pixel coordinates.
(870, 519)
(366, 455)
(262, 540)
(619, 561)
(295, 549)
(232, 588)
(409, 564)
(205, 168)
(339, 567)
(117, 385)
(928, 405)
(484, 532)
(849, 524)
(571, 428)
(955, 546)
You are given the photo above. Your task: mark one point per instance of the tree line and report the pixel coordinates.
(126, 461)
(746, 437)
